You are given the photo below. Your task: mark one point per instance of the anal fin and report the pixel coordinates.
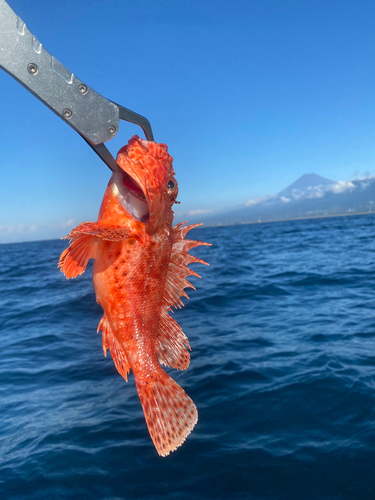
(117, 352)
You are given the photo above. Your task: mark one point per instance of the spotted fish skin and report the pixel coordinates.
(139, 275)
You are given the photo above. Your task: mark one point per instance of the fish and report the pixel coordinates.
(140, 272)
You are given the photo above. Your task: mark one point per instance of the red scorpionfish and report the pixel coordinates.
(139, 274)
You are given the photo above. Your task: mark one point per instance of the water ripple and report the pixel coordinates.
(282, 327)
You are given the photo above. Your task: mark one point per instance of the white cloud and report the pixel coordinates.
(28, 232)
(320, 191)
(342, 186)
(68, 223)
(199, 211)
(18, 229)
(313, 192)
(255, 201)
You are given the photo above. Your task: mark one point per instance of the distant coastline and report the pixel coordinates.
(203, 225)
(344, 214)
(309, 197)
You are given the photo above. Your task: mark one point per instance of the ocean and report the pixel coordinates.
(282, 327)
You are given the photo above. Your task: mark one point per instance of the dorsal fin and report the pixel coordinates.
(171, 341)
(177, 268)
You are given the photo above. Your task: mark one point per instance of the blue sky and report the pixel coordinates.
(249, 95)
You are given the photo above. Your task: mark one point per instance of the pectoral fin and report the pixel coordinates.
(85, 238)
(74, 259)
(105, 232)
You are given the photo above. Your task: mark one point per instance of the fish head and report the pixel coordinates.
(145, 189)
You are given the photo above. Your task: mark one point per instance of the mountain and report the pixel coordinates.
(310, 196)
(305, 182)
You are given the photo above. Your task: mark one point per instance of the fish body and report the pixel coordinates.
(139, 274)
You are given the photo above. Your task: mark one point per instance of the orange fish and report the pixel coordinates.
(139, 274)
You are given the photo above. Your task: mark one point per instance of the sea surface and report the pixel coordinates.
(282, 327)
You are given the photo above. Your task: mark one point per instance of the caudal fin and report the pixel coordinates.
(170, 414)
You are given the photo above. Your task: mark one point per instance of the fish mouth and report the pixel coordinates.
(131, 196)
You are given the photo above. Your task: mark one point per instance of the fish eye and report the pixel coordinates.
(170, 185)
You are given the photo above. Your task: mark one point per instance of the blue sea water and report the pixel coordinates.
(282, 327)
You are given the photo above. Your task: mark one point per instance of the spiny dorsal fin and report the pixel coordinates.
(171, 342)
(177, 269)
(117, 352)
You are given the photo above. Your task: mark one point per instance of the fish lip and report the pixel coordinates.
(131, 196)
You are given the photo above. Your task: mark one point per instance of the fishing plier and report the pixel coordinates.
(93, 116)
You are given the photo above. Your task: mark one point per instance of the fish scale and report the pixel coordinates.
(139, 274)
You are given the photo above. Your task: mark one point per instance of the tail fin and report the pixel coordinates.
(170, 414)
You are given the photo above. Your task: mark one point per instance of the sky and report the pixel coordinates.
(248, 95)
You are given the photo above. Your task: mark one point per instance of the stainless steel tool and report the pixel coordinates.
(93, 116)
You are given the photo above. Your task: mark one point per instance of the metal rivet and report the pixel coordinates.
(82, 89)
(67, 113)
(32, 69)
(112, 129)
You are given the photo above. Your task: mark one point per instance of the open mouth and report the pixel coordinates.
(131, 197)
